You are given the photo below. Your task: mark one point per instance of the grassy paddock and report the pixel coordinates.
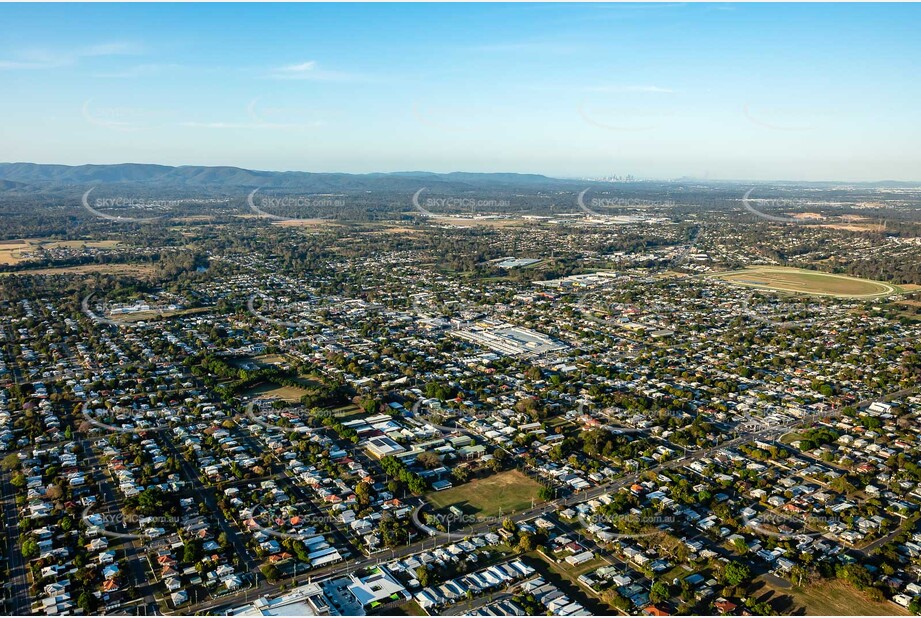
(826, 598)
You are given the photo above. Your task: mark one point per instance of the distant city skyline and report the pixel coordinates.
(721, 91)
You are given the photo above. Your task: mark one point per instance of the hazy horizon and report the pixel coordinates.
(468, 171)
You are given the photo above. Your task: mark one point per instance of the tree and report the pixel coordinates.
(152, 501)
(735, 573)
(499, 459)
(270, 572)
(364, 491)
(86, 602)
(659, 592)
(10, 462)
(615, 599)
(428, 460)
(460, 474)
(29, 548)
(526, 542)
(393, 531)
(799, 574)
(192, 552)
(856, 574)
(424, 576)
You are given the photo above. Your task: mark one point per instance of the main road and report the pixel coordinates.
(18, 586)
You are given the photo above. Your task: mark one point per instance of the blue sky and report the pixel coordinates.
(745, 91)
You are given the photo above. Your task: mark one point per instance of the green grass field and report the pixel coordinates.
(507, 491)
(800, 281)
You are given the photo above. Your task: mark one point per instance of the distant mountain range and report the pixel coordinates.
(40, 178)
(25, 176)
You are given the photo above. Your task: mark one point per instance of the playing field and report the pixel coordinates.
(507, 491)
(807, 282)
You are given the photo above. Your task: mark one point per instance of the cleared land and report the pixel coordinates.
(269, 389)
(410, 608)
(134, 270)
(506, 491)
(827, 598)
(15, 251)
(146, 316)
(306, 383)
(807, 282)
(504, 221)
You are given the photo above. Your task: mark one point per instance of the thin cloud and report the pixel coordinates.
(21, 65)
(640, 6)
(250, 125)
(626, 89)
(546, 47)
(309, 70)
(298, 68)
(140, 70)
(120, 48)
(47, 59)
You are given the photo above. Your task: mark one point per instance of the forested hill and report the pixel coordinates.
(37, 176)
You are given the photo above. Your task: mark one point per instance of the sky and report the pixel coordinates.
(719, 91)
